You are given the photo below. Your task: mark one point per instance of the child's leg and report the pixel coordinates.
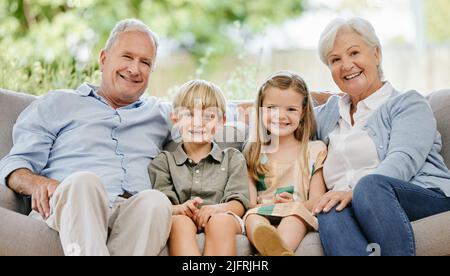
(253, 221)
(183, 237)
(220, 235)
(292, 230)
(265, 238)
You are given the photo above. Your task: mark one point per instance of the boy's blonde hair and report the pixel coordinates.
(282, 80)
(195, 92)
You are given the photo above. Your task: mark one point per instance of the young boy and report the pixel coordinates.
(207, 185)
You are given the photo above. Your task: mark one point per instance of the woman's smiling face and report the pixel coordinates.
(354, 64)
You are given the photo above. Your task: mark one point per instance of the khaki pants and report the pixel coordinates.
(80, 213)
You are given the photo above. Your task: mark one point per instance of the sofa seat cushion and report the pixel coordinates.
(24, 236)
(243, 246)
(433, 235)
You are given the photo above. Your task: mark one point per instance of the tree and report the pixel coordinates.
(41, 37)
(195, 24)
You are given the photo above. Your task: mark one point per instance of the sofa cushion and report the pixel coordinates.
(310, 246)
(13, 201)
(24, 236)
(440, 103)
(432, 235)
(11, 105)
(243, 246)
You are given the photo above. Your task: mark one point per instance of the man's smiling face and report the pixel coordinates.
(126, 68)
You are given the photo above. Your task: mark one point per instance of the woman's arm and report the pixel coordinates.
(412, 135)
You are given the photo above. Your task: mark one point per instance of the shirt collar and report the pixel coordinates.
(372, 102)
(379, 97)
(87, 89)
(216, 152)
(181, 156)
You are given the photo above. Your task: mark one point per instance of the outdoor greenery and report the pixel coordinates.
(47, 44)
(438, 20)
(54, 43)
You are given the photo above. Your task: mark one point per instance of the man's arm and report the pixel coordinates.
(40, 189)
(33, 136)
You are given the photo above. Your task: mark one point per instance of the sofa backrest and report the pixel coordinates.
(12, 103)
(440, 103)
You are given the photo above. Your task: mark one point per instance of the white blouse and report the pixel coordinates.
(351, 152)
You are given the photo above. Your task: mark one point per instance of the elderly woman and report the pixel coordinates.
(384, 167)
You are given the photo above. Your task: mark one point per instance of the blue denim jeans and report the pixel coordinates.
(381, 212)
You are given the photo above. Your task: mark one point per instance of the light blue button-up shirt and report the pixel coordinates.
(69, 131)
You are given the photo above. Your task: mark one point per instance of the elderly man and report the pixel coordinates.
(82, 155)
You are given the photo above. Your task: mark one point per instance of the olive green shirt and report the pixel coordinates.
(218, 178)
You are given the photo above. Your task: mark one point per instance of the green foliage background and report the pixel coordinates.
(438, 20)
(48, 44)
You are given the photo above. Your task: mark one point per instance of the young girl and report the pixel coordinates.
(285, 167)
(207, 185)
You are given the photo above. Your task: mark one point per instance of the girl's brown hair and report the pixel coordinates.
(304, 133)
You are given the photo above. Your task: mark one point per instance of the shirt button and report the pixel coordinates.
(222, 169)
(190, 161)
(197, 171)
(196, 182)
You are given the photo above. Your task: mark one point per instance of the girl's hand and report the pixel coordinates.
(331, 199)
(189, 208)
(283, 198)
(202, 217)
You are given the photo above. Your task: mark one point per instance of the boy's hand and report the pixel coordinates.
(202, 217)
(283, 198)
(189, 208)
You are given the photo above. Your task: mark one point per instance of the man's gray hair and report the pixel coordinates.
(360, 26)
(130, 25)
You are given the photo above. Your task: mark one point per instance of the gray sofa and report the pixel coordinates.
(21, 235)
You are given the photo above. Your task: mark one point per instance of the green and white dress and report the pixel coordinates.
(287, 177)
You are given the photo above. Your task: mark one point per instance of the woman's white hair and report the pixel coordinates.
(131, 25)
(360, 26)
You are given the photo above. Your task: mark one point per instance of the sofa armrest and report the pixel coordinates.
(13, 201)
